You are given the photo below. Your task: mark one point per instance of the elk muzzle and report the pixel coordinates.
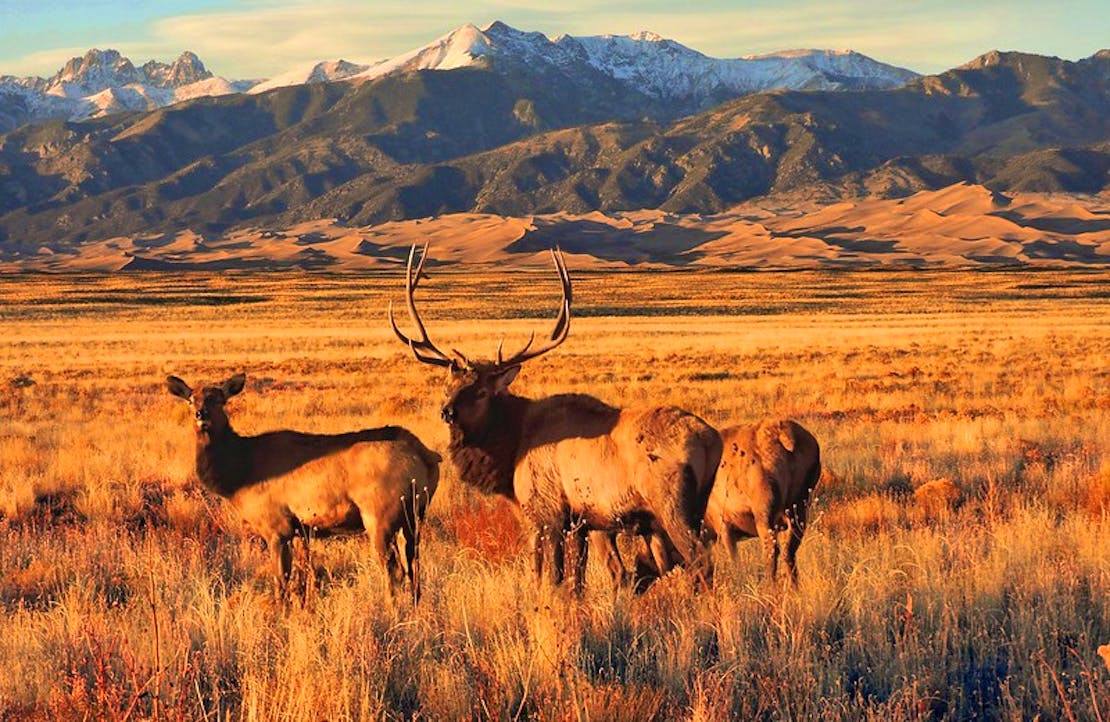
(203, 419)
(448, 413)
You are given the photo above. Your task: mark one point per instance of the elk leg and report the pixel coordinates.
(647, 570)
(581, 557)
(282, 557)
(796, 518)
(768, 537)
(659, 555)
(538, 553)
(556, 540)
(412, 558)
(606, 544)
(732, 543)
(382, 538)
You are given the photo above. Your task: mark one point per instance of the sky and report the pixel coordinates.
(261, 38)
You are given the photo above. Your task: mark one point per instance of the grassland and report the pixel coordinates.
(127, 593)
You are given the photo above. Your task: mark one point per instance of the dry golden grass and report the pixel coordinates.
(126, 593)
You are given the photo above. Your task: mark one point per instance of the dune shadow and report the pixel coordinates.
(660, 243)
(1067, 226)
(1065, 250)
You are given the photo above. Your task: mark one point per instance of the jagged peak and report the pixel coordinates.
(496, 26)
(994, 58)
(94, 58)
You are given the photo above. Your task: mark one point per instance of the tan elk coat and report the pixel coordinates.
(768, 472)
(288, 483)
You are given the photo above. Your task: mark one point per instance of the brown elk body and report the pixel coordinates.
(767, 474)
(572, 462)
(287, 483)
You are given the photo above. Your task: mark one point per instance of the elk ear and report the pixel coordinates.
(178, 387)
(502, 380)
(233, 385)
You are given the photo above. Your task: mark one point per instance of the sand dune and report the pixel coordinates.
(958, 226)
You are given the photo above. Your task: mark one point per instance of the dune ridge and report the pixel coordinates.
(960, 226)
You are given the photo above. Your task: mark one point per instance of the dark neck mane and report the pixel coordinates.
(223, 464)
(488, 463)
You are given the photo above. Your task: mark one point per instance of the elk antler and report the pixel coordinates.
(562, 323)
(422, 348)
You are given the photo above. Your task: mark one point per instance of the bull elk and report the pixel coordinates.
(571, 461)
(288, 483)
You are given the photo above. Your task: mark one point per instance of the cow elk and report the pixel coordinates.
(571, 462)
(763, 486)
(287, 483)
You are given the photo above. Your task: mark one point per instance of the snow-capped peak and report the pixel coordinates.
(326, 71)
(186, 70)
(97, 70)
(104, 81)
(457, 49)
(654, 65)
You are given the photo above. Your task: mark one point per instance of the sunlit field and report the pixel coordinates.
(127, 592)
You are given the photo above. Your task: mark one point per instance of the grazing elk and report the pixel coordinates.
(767, 473)
(288, 483)
(571, 461)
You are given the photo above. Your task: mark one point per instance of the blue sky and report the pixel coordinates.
(257, 38)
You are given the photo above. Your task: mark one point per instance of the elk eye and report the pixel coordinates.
(483, 393)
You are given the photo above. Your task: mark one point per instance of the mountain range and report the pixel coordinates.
(498, 121)
(104, 82)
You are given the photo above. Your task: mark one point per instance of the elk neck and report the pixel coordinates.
(488, 462)
(223, 461)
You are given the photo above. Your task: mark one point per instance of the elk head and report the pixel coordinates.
(474, 388)
(207, 404)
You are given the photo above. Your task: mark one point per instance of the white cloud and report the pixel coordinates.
(265, 39)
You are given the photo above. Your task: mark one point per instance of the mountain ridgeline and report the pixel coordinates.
(519, 138)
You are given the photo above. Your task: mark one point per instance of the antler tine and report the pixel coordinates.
(422, 348)
(562, 323)
(511, 361)
(562, 326)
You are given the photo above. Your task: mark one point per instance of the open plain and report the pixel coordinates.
(955, 567)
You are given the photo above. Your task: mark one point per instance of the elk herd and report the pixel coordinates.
(580, 471)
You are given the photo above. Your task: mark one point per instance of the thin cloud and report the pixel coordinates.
(266, 40)
(261, 38)
(33, 63)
